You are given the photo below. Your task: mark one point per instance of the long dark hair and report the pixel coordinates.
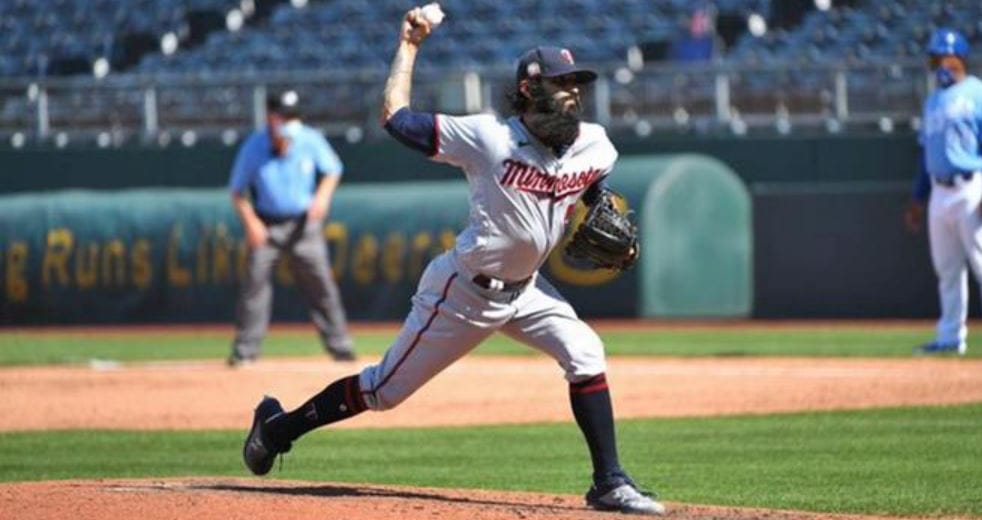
(517, 101)
(520, 103)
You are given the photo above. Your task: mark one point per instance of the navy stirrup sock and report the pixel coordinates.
(340, 400)
(594, 415)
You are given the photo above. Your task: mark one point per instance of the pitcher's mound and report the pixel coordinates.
(255, 499)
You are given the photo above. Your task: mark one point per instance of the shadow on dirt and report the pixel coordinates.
(336, 491)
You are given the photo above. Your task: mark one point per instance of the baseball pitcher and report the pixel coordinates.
(526, 174)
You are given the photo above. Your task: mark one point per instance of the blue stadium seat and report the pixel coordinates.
(355, 35)
(612, 26)
(65, 29)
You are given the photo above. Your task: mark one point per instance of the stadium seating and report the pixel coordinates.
(868, 32)
(52, 37)
(788, 68)
(44, 37)
(483, 33)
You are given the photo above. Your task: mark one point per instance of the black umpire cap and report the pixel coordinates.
(551, 62)
(285, 103)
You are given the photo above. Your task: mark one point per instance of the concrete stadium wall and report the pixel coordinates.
(755, 159)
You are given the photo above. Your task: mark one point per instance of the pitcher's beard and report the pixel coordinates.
(555, 127)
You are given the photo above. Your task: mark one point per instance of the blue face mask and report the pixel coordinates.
(291, 129)
(944, 77)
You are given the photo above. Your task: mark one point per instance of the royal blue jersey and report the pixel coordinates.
(283, 186)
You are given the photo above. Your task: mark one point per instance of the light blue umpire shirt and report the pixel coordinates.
(282, 187)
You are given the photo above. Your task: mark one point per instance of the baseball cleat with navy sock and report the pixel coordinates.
(259, 451)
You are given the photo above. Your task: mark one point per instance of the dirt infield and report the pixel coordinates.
(228, 499)
(477, 390)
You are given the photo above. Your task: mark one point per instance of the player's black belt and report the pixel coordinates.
(494, 284)
(952, 181)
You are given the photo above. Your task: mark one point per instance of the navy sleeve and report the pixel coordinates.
(592, 193)
(416, 130)
(922, 183)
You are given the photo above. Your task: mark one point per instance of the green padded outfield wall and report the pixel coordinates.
(696, 256)
(175, 255)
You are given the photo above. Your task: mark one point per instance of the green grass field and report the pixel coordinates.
(854, 340)
(915, 461)
(904, 461)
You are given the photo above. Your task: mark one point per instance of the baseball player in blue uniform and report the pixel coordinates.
(525, 174)
(282, 183)
(951, 177)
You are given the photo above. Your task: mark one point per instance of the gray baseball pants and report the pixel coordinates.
(310, 265)
(450, 316)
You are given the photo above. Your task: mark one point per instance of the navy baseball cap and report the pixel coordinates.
(551, 62)
(286, 103)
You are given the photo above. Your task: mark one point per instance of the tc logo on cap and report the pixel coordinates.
(566, 56)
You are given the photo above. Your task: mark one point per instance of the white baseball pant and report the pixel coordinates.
(955, 232)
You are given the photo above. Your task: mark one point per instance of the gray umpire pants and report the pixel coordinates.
(310, 265)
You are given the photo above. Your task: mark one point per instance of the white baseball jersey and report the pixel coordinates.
(522, 195)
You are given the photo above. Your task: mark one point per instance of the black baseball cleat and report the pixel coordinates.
(259, 452)
(341, 354)
(236, 361)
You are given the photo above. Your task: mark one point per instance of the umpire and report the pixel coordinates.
(290, 173)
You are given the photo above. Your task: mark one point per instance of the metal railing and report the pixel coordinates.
(703, 99)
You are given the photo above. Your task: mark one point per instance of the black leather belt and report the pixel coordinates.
(494, 284)
(951, 182)
(275, 219)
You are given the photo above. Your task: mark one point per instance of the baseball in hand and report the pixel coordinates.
(432, 13)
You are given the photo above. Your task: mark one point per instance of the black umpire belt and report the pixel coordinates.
(494, 284)
(280, 219)
(952, 181)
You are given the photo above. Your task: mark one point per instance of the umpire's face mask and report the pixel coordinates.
(282, 133)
